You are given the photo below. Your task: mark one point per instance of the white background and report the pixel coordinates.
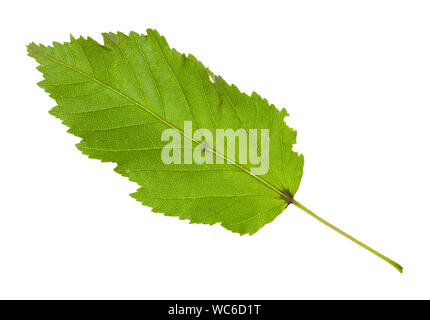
(355, 77)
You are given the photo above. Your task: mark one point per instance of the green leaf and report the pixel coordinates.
(121, 96)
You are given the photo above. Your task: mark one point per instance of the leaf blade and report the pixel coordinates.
(119, 97)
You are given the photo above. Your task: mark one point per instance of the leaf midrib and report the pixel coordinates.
(165, 122)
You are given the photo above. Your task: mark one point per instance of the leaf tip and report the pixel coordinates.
(32, 49)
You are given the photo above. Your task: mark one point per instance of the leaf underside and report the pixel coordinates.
(120, 96)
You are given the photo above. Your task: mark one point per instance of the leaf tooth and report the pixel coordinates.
(284, 113)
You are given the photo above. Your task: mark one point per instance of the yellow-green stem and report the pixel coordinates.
(393, 263)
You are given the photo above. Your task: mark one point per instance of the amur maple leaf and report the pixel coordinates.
(129, 96)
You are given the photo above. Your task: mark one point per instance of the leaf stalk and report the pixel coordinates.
(361, 244)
